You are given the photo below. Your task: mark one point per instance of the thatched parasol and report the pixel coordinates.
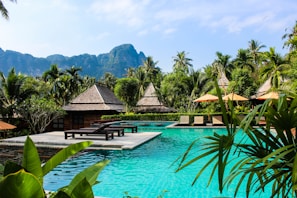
(206, 98)
(6, 126)
(270, 95)
(234, 97)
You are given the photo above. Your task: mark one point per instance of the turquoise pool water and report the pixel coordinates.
(145, 171)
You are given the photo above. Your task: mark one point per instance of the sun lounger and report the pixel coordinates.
(217, 120)
(91, 131)
(260, 120)
(184, 120)
(120, 131)
(124, 126)
(198, 120)
(71, 133)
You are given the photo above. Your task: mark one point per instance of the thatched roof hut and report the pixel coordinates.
(96, 98)
(89, 106)
(150, 102)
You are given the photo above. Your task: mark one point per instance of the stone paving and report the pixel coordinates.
(56, 140)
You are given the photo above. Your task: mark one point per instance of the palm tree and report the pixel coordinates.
(182, 63)
(150, 68)
(274, 67)
(140, 75)
(109, 80)
(223, 65)
(243, 60)
(75, 81)
(130, 72)
(291, 38)
(3, 10)
(12, 92)
(257, 157)
(199, 83)
(52, 74)
(65, 84)
(254, 50)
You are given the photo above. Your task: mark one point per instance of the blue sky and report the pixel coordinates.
(160, 28)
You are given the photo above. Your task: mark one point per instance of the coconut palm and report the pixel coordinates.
(182, 63)
(109, 80)
(243, 60)
(52, 74)
(274, 67)
(222, 64)
(254, 50)
(140, 75)
(13, 92)
(199, 83)
(130, 72)
(3, 10)
(149, 66)
(291, 39)
(75, 81)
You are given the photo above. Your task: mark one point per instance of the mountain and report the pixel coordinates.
(116, 62)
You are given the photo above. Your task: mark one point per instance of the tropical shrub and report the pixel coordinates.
(265, 156)
(26, 180)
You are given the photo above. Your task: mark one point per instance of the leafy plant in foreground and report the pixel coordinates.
(26, 180)
(265, 156)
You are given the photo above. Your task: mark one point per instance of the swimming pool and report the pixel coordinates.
(145, 171)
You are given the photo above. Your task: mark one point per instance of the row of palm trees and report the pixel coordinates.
(55, 84)
(177, 89)
(246, 72)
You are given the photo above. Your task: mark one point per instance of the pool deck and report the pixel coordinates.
(56, 139)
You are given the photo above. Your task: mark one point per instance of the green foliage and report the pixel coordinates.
(264, 158)
(156, 116)
(13, 91)
(63, 155)
(81, 185)
(27, 180)
(31, 161)
(126, 90)
(242, 82)
(39, 113)
(175, 92)
(21, 184)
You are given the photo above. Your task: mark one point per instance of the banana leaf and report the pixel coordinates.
(63, 155)
(21, 184)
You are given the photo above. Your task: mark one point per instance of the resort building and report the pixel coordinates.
(90, 106)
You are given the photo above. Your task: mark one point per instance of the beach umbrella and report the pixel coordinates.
(234, 97)
(270, 95)
(206, 98)
(6, 126)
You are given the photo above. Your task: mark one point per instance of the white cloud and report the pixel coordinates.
(126, 12)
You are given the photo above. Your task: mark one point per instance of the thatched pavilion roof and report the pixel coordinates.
(263, 89)
(96, 98)
(266, 87)
(150, 102)
(223, 81)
